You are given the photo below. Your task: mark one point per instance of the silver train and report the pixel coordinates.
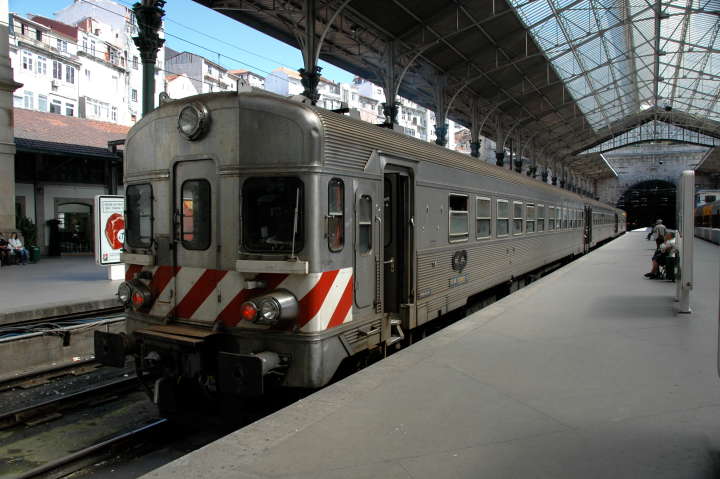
(707, 222)
(268, 240)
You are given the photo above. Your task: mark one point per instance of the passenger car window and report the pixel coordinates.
(196, 214)
(517, 217)
(336, 214)
(365, 225)
(502, 223)
(540, 218)
(139, 227)
(551, 218)
(558, 218)
(530, 218)
(482, 218)
(458, 217)
(269, 206)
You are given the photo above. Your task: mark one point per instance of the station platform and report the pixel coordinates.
(54, 287)
(586, 373)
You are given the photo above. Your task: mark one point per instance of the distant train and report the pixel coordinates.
(269, 240)
(707, 221)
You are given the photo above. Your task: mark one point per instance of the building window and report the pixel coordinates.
(38, 34)
(482, 217)
(113, 113)
(458, 218)
(517, 217)
(502, 223)
(135, 62)
(69, 109)
(87, 74)
(42, 103)
(365, 225)
(29, 100)
(41, 65)
(336, 214)
(530, 218)
(210, 70)
(27, 60)
(57, 70)
(56, 107)
(85, 44)
(70, 74)
(133, 94)
(62, 45)
(540, 218)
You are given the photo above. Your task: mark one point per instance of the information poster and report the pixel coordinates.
(109, 228)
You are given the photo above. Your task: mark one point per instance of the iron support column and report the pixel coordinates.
(475, 128)
(310, 74)
(441, 126)
(148, 14)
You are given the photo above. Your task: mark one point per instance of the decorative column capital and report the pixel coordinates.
(390, 110)
(309, 81)
(500, 158)
(149, 19)
(441, 134)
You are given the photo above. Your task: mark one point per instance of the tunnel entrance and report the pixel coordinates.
(647, 201)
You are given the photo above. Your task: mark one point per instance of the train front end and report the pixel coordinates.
(232, 282)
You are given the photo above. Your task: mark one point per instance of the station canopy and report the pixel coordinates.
(563, 76)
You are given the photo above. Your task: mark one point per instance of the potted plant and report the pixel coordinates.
(29, 233)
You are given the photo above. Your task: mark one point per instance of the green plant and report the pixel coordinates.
(28, 230)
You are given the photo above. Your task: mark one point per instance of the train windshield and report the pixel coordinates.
(270, 222)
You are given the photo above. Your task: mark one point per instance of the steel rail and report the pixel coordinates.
(89, 451)
(66, 401)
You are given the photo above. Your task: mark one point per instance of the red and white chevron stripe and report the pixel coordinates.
(210, 295)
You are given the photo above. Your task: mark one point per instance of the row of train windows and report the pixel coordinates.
(708, 221)
(526, 218)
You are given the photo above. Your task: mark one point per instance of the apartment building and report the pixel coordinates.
(45, 60)
(205, 75)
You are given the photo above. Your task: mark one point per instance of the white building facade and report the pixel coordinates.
(206, 76)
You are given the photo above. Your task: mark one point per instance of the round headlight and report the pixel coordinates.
(193, 121)
(124, 293)
(268, 310)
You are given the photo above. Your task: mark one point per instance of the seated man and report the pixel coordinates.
(17, 247)
(5, 250)
(659, 258)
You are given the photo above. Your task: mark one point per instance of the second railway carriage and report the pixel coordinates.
(266, 238)
(707, 221)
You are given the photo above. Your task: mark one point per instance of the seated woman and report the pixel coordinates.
(17, 246)
(664, 250)
(4, 250)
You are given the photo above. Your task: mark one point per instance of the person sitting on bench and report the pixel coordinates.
(661, 254)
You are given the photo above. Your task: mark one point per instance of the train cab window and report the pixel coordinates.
(138, 203)
(482, 218)
(269, 208)
(551, 218)
(365, 225)
(196, 214)
(517, 218)
(530, 218)
(558, 218)
(458, 218)
(540, 218)
(502, 223)
(336, 214)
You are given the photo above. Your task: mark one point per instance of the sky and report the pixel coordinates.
(240, 46)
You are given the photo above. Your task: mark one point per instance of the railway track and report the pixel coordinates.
(50, 409)
(95, 453)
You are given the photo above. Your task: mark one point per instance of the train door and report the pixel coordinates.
(616, 223)
(368, 251)
(397, 243)
(195, 237)
(587, 227)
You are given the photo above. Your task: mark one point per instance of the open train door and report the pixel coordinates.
(587, 228)
(397, 243)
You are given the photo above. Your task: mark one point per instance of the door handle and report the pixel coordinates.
(391, 262)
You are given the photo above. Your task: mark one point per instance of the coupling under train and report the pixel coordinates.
(268, 240)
